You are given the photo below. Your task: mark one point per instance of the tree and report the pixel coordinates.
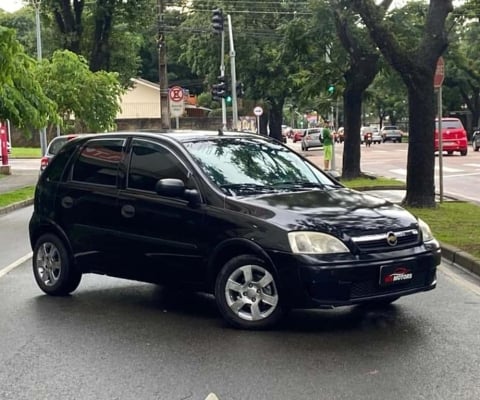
(103, 31)
(416, 65)
(22, 99)
(362, 68)
(92, 98)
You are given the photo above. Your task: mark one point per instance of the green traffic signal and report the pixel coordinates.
(331, 89)
(228, 100)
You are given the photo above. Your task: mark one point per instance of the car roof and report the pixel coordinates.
(179, 135)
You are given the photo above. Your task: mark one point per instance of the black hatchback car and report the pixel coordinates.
(237, 215)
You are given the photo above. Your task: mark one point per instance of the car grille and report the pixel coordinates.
(387, 241)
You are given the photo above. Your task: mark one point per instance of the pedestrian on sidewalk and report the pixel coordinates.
(327, 146)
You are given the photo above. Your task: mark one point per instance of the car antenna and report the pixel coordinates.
(220, 132)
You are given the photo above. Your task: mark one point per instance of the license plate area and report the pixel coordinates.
(393, 275)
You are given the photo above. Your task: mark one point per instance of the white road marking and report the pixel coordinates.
(472, 165)
(15, 264)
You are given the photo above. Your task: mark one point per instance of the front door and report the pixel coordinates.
(161, 236)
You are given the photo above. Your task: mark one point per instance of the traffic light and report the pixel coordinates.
(217, 20)
(220, 89)
(331, 89)
(228, 100)
(240, 89)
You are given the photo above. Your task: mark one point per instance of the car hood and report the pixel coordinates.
(337, 210)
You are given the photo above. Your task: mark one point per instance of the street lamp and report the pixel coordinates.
(36, 5)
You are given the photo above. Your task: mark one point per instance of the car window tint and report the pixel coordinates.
(150, 162)
(98, 162)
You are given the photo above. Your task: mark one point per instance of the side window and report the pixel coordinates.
(150, 162)
(98, 162)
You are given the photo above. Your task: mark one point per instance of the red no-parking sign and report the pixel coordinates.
(439, 73)
(177, 101)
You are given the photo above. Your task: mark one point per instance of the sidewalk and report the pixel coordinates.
(17, 181)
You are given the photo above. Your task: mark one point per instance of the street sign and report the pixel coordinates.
(258, 111)
(177, 103)
(439, 73)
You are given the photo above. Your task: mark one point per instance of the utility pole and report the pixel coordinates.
(36, 5)
(162, 68)
(234, 75)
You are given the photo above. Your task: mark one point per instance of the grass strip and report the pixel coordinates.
(16, 196)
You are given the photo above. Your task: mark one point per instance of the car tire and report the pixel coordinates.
(464, 152)
(52, 267)
(475, 148)
(246, 293)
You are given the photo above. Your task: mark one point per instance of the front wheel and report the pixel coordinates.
(52, 267)
(247, 295)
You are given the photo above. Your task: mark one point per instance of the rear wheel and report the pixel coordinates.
(464, 152)
(247, 294)
(52, 267)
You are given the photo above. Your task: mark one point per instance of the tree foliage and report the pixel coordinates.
(87, 101)
(22, 99)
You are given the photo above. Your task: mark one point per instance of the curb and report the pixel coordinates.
(16, 206)
(461, 258)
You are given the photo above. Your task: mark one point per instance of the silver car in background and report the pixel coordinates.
(313, 137)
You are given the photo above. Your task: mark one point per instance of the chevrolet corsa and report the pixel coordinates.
(237, 215)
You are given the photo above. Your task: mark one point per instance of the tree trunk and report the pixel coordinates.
(68, 16)
(276, 118)
(352, 103)
(421, 155)
(100, 56)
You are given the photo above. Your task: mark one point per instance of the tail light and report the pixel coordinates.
(43, 163)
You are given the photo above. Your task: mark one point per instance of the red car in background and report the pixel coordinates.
(298, 135)
(454, 136)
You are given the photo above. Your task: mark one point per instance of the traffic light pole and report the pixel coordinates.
(222, 73)
(234, 75)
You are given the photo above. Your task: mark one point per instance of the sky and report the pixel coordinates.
(11, 5)
(14, 5)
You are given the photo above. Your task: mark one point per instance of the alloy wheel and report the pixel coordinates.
(251, 293)
(48, 264)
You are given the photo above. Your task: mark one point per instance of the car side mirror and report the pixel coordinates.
(171, 187)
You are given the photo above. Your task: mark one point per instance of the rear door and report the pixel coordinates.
(86, 203)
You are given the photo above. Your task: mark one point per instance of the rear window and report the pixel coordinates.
(56, 144)
(450, 124)
(98, 162)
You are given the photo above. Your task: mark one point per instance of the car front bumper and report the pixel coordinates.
(327, 285)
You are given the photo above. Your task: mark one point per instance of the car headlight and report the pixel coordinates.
(315, 243)
(426, 232)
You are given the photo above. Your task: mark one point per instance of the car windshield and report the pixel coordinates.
(244, 166)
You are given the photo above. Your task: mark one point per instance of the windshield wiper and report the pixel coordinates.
(250, 188)
(298, 185)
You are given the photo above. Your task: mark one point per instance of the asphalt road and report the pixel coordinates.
(460, 175)
(116, 339)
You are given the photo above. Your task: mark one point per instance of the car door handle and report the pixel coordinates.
(128, 211)
(67, 202)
